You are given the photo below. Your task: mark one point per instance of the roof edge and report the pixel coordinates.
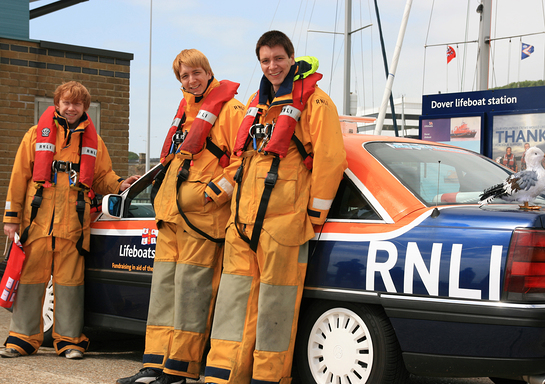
(86, 50)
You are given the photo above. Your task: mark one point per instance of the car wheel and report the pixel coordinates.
(47, 314)
(347, 343)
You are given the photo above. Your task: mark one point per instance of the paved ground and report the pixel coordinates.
(111, 355)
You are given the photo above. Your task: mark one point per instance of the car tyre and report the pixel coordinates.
(47, 314)
(347, 343)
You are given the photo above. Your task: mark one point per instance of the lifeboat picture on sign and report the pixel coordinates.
(463, 130)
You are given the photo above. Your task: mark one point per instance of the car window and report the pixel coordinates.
(138, 196)
(349, 203)
(439, 175)
(140, 205)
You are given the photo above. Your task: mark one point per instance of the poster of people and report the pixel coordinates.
(513, 134)
(463, 132)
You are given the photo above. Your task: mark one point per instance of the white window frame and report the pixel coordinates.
(41, 104)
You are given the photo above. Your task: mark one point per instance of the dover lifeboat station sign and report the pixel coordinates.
(499, 123)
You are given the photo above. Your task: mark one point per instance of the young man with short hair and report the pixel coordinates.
(58, 162)
(191, 211)
(290, 157)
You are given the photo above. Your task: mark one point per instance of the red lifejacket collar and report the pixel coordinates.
(195, 140)
(284, 128)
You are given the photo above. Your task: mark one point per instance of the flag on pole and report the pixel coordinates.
(527, 50)
(451, 54)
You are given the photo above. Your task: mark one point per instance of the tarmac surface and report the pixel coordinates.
(110, 356)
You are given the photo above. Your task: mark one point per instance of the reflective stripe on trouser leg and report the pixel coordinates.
(185, 286)
(239, 286)
(281, 274)
(278, 312)
(26, 330)
(68, 279)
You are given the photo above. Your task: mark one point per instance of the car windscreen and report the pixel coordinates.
(439, 175)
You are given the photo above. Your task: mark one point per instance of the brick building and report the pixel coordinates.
(31, 70)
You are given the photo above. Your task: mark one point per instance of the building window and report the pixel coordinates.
(41, 104)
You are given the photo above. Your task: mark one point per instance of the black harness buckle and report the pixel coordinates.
(178, 137)
(260, 131)
(271, 178)
(36, 201)
(238, 174)
(80, 206)
(183, 173)
(61, 166)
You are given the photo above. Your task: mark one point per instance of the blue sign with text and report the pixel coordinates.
(498, 123)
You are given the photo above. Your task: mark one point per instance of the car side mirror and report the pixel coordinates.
(112, 206)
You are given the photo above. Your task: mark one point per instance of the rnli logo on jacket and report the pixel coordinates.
(321, 101)
(46, 132)
(149, 236)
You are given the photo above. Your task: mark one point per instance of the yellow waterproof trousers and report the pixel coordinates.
(186, 274)
(49, 257)
(254, 330)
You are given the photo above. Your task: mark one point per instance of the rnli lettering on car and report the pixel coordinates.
(430, 277)
(389, 241)
(128, 251)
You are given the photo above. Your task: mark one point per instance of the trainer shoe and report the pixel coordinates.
(9, 352)
(165, 378)
(73, 354)
(145, 375)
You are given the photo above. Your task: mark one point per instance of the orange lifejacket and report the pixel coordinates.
(284, 128)
(206, 117)
(46, 135)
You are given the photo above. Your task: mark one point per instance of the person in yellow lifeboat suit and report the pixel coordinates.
(192, 209)
(57, 162)
(291, 158)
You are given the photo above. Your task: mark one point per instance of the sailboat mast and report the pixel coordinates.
(347, 48)
(483, 59)
(391, 75)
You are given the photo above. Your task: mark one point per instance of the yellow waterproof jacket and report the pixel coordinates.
(57, 214)
(205, 174)
(298, 191)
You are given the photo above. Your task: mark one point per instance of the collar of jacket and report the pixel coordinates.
(62, 122)
(194, 99)
(285, 88)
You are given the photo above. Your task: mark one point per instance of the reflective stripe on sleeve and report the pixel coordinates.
(226, 186)
(322, 204)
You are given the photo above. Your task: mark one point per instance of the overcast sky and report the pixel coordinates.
(226, 32)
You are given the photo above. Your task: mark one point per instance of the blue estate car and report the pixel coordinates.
(408, 275)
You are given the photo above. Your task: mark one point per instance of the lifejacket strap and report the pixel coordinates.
(223, 156)
(183, 175)
(307, 157)
(35, 204)
(270, 182)
(80, 209)
(238, 179)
